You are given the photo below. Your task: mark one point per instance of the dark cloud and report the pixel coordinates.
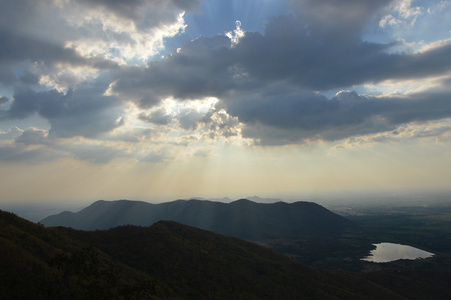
(288, 117)
(34, 145)
(84, 111)
(30, 146)
(159, 117)
(269, 83)
(28, 78)
(12, 132)
(419, 107)
(189, 119)
(201, 69)
(160, 12)
(21, 153)
(23, 106)
(33, 136)
(286, 53)
(268, 80)
(3, 100)
(133, 5)
(29, 36)
(16, 48)
(273, 119)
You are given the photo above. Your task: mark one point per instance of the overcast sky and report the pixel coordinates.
(164, 99)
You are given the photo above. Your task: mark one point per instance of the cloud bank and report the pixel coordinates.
(96, 73)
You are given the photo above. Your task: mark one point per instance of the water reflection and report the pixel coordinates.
(386, 252)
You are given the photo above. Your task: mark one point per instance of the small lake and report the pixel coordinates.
(386, 252)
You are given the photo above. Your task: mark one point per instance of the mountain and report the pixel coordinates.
(44, 263)
(164, 261)
(243, 218)
(263, 200)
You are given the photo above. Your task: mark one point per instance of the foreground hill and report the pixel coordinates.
(165, 261)
(243, 218)
(44, 263)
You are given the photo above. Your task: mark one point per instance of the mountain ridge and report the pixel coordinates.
(242, 218)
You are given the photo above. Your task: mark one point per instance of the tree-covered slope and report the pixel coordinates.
(165, 261)
(45, 263)
(219, 267)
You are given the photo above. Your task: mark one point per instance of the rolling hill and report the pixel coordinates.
(243, 218)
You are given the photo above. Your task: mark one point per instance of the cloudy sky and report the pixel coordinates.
(165, 99)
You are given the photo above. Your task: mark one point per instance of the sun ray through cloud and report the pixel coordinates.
(159, 98)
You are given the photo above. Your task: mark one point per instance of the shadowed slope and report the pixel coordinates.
(165, 261)
(243, 218)
(45, 263)
(199, 264)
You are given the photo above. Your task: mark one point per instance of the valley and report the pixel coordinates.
(172, 260)
(427, 228)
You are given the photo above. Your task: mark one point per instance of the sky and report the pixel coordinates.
(163, 99)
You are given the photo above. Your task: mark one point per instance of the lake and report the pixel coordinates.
(386, 252)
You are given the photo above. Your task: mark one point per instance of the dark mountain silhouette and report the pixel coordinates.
(243, 218)
(45, 263)
(165, 261)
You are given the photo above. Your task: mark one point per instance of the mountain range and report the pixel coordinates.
(242, 218)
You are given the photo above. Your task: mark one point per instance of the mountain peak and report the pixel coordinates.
(243, 201)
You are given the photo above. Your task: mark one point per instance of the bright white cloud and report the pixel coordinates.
(236, 34)
(119, 39)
